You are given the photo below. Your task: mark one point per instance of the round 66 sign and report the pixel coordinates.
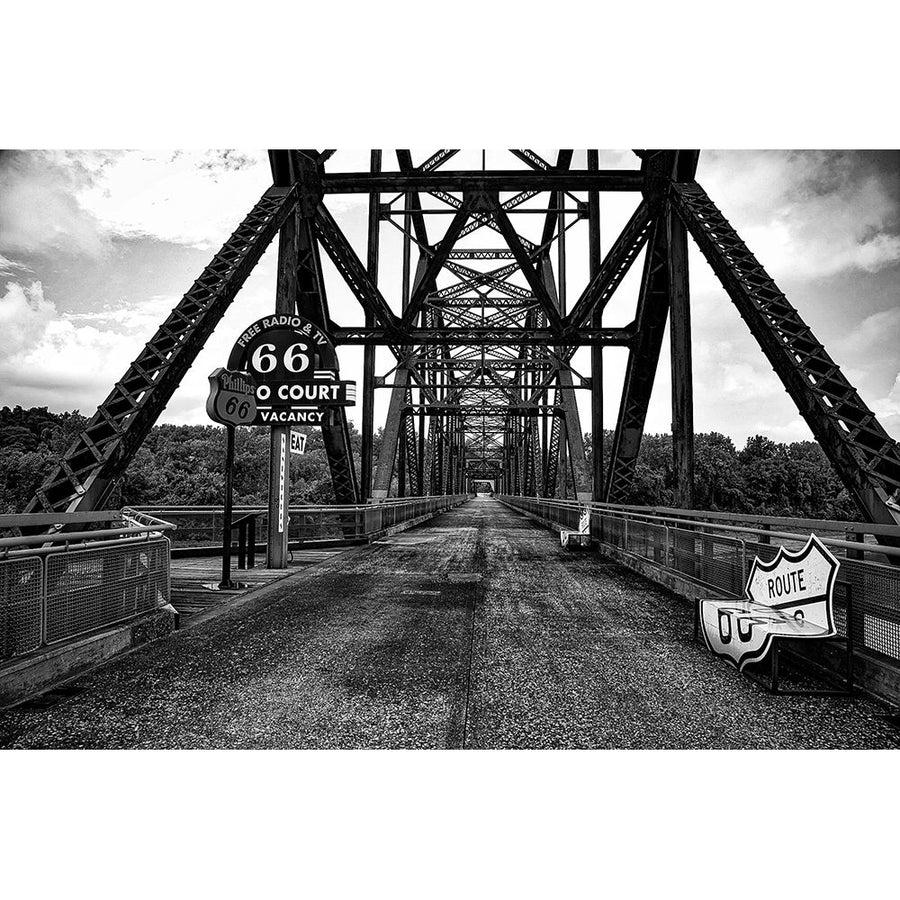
(231, 398)
(294, 366)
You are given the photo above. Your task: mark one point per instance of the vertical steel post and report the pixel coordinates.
(595, 259)
(279, 452)
(368, 393)
(682, 376)
(226, 584)
(401, 457)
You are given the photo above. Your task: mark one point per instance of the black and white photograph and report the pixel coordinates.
(450, 449)
(548, 454)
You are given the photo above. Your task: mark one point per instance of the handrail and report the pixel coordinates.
(39, 520)
(718, 515)
(79, 546)
(784, 535)
(138, 517)
(310, 507)
(69, 537)
(830, 524)
(633, 513)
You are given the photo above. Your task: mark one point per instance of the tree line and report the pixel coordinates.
(184, 465)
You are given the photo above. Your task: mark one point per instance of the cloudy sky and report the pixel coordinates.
(96, 247)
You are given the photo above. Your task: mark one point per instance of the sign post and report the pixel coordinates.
(226, 584)
(231, 402)
(294, 365)
(279, 498)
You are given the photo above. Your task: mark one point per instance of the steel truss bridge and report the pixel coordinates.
(485, 326)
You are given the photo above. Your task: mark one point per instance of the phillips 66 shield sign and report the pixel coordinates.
(788, 596)
(231, 398)
(294, 365)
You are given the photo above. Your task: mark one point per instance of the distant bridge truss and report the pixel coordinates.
(485, 326)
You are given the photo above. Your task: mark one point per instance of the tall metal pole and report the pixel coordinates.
(401, 457)
(226, 583)
(279, 449)
(368, 398)
(562, 492)
(682, 371)
(596, 350)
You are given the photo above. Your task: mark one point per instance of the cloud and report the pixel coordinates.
(875, 336)
(23, 313)
(810, 214)
(888, 410)
(11, 266)
(133, 318)
(48, 359)
(78, 202)
(40, 211)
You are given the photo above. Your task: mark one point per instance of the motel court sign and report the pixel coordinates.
(295, 369)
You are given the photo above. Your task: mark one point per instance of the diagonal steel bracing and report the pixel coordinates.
(484, 383)
(88, 470)
(865, 457)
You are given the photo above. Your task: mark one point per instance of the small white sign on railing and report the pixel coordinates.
(584, 521)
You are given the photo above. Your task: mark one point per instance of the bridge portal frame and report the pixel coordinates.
(483, 384)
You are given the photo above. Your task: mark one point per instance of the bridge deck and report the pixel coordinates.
(473, 630)
(191, 577)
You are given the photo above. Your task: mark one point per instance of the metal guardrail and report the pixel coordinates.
(716, 550)
(56, 587)
(201, 526)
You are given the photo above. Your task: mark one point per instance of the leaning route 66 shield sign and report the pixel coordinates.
(231, 398)
(788, 596)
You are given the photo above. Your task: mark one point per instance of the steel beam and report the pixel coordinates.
(368, 387)
(615, 265)
(640, 372)
(390, 436)
(89, 468)
(864, 456)
(682, 372)
(512, 180)
(612, 337)
(594, 262)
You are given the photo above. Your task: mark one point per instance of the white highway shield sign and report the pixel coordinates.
(790, 596)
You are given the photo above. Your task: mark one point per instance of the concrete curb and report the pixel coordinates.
(51, 667)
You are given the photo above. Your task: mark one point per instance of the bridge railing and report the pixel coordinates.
(201, 526)
(113, 566)
(713, 552)
(56, 587)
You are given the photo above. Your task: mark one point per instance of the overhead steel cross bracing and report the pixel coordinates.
(485, 322)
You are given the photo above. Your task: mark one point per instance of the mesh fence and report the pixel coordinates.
(869, 591)
(198, 527)
(21, 583)
(87, 589)
(875, 592)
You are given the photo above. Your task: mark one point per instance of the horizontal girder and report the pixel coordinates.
(512, 180)
(452, 337)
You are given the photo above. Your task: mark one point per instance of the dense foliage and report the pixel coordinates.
(764, 478)
(183, 464)
(177, 464)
